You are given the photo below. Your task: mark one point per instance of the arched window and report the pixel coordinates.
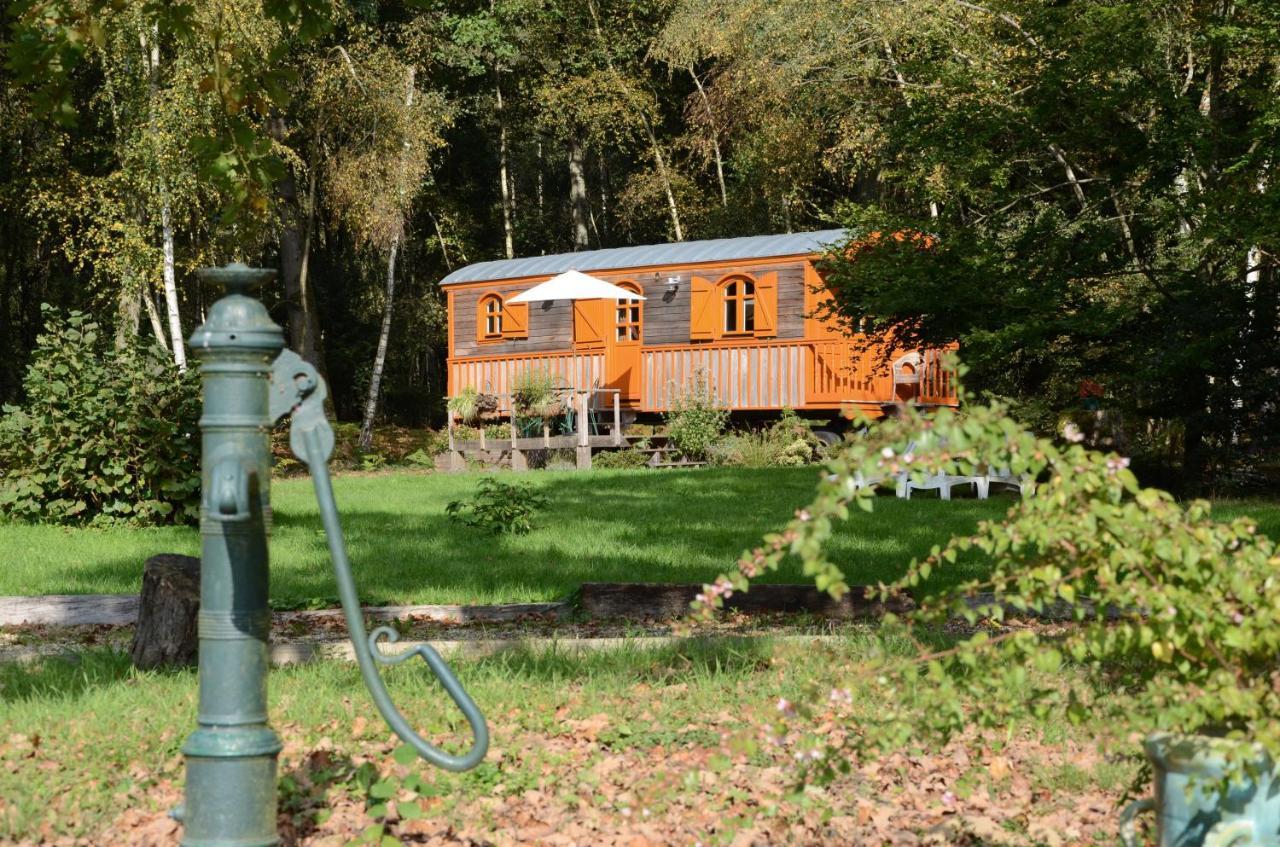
(739, 305)
(490, 317)
(627, 326)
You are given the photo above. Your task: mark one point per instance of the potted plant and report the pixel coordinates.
(533, 392)
(1165, 622)
(470, 405)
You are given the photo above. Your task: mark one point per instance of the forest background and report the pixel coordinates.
(1098, 176)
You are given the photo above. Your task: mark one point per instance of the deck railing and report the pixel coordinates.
(938, 381)
(750, 375)
(768, 374)
(496, 374)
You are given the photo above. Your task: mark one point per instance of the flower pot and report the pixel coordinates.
(1194, 805)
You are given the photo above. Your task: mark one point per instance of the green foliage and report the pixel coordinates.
(104, 434)
(471, 405)
(466, 405)
(620, 459)
(696, 420)
(788, 442)
(247, 83)
(1174, 618)
(500, 507)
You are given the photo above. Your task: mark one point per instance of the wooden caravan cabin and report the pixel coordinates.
(740, 310)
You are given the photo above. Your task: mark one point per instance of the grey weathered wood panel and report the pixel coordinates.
(666, 315)
(550, 325)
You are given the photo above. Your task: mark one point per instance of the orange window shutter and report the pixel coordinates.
(703, 313)
(588, 322)
(515, 320)
(767, 304)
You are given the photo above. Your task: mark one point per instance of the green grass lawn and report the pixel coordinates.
(633, 526)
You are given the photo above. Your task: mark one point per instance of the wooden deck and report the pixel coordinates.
(589, 413)
(764, 375)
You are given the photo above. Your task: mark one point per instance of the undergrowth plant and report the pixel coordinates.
(1173, 618)
(500, 507)
(620, 459)
(788, 442)
(697, 418)
(104, 434)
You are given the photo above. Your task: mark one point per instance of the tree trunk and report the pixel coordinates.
(167, 634)
(444, 248)
(179, 349)
(380, 358)
(539, 182)
(604, 200)
(128, 309)
(297, 224)
(715, 138)
(177, 345)
(153, 315)
(578, 209)
(384, 335)
(508, 225)
(312, 340)
(661, 164)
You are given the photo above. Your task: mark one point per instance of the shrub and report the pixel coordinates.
(696, 420)
(620, 459)
(1173, 619)
(103, 435)
(500, 507)
(500, 432)
(788, 442)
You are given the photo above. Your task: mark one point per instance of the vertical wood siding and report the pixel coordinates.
(761, 375)
(938, 382)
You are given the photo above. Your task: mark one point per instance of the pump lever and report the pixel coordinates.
(297, 389)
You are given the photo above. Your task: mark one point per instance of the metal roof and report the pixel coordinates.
(677, 253)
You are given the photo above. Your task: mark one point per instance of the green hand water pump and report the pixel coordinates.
(250, 382)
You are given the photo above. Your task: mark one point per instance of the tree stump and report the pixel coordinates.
(166, 634)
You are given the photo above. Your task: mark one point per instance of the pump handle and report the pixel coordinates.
(297, 389)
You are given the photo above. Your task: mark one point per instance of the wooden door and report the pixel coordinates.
(624, 341)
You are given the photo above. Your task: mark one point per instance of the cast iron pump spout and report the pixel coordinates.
(250, 382)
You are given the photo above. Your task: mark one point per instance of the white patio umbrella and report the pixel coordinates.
(574, 285)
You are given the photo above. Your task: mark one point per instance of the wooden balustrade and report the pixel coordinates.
(496, 374)
(747, 375)
(752, 375)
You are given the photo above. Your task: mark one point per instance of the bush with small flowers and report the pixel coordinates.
(1174, 618)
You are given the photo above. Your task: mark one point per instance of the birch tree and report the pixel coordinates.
(386, 138)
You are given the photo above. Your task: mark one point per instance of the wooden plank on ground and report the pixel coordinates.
(662, 600)
(70, 609)
(122, 609)
(443, 613)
